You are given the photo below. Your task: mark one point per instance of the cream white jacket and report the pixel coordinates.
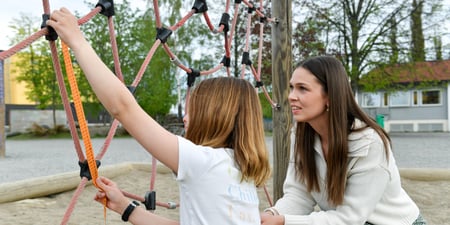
(373, 189)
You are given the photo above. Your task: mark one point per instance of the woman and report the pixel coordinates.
(218, 164)
(342, 160)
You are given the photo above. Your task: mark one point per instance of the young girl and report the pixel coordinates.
(342, 161)
(217, 165)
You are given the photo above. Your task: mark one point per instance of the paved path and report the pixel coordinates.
(421, 150)
(31, 158)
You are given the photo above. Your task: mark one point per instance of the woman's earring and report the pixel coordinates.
(328, 108)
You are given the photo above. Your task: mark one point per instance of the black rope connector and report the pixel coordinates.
(132, 89)
(191, 77)
(226, 61)
(52, 35)
(259, 84)
(107, 7)
(251, 9)
(200, 6)
(150, 200)
(225, 20)
(237, 1)
(163, 34)
(263, 19)
(84, 169)
(246, 59)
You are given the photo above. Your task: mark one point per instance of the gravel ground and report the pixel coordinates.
(32, 158)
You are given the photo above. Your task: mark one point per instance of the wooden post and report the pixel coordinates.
(281, 72)
(2, 110)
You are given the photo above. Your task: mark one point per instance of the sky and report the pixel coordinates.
(10, 9)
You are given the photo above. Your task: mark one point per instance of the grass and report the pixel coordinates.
(28, 136)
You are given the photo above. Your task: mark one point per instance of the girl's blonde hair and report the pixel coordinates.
(225, 112)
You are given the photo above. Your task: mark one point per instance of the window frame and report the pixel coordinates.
(377, 99)
(430, 90)
(407, 97)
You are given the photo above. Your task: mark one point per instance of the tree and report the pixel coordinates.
(356, 31)
(437, 41)
(384, 76)
(306, 39)
(433, 13)
(135, 35)
(35, 66)
(417, 39)
(393, 58)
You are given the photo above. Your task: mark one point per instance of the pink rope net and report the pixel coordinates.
(199, 7)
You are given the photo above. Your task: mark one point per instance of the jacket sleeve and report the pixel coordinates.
(296, 199)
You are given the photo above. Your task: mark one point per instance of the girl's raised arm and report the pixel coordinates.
(114, 95)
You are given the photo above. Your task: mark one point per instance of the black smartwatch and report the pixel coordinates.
(130, 208)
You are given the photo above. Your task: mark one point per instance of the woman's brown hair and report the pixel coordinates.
(225, 112)
(343, 110)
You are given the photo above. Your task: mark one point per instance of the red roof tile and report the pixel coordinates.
(421, 71)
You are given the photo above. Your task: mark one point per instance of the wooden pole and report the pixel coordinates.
(2, 110)
(281, 71)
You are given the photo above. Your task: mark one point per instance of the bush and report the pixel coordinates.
(44, 130)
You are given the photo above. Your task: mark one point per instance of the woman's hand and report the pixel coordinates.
(269, 219)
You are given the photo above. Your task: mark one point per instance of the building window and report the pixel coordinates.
(431, 97)
(415, 98)
(371, 100)
(400, 98)
(385, 99)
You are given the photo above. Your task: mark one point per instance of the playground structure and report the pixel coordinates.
(282, 121)
(88, 162)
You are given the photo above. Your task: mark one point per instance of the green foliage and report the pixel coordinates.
(45, 131)
(266, 106)
(349, 32)
(34, 66)
(396, 77)
(136, 34)
(306, 39)
(417, 38)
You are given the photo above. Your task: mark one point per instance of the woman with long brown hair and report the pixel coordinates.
(342, 161)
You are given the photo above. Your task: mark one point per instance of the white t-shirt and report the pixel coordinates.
(211, 191)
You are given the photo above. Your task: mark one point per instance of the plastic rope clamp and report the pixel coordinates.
(226, 61)
(251, 9)
(191, 77)
(107, 7)
(84, 169)
(163, 34)
(263, 19)
(246, 59)
(200, 6)
(52, 35)
(225, 20)
(150, 200)
(132, 89)
(259, 84)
